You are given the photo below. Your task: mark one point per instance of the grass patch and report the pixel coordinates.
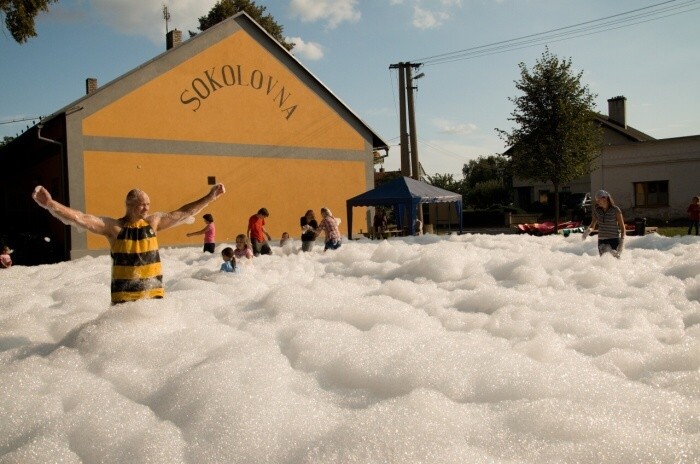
(672, 231)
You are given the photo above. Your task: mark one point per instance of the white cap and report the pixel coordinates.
(602, 194)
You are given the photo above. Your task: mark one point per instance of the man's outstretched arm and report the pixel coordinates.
(73, 217)
(165, 221)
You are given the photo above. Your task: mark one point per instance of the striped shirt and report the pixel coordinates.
(136, 269)
(607, 222)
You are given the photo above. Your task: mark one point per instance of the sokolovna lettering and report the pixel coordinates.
(216, 78)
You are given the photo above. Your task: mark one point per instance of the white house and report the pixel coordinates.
(647, 177)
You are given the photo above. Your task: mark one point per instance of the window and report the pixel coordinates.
(211, 180)
(649, 194)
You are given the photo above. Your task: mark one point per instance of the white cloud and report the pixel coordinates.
(448, 127)
(425, 19)
(429, 14)
(333, 12)
(136, 17)
(442, 156)
(446, 3)
(309, 50)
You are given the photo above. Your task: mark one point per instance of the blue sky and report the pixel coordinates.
(654, 60)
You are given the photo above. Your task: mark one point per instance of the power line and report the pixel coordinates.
(12, 121)
(596, 26)
(442, 150)
(576, 30)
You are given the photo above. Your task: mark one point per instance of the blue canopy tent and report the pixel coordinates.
(405, 194)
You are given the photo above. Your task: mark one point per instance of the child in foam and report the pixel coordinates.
(5, 259)
(611, 225)
(229, 264)
(209, 232)
(329, 225)
(257, 233)
(243, 249)
(285, 240)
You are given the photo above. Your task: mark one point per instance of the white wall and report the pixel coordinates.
(676, 160)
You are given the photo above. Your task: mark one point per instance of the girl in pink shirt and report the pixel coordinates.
(243, 249)
(209, 232)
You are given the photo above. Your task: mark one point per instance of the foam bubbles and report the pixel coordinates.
(470, 348)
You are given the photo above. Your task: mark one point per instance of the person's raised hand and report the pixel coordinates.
(41, 196)
(217, 190)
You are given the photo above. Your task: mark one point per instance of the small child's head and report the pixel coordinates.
(696, 199)
(227, 254)
(263, 212)
(6, 250)
(285, 235)
(241, 241)
(208, 217)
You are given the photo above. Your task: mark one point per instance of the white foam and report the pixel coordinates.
(469, 348)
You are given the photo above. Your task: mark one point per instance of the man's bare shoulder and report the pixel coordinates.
(153, 219)
(112, 226)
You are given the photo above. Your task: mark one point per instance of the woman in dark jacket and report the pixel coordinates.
(308, 230)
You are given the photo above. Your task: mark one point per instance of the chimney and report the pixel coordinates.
(90, 85)
(617, 111)
(173, 39)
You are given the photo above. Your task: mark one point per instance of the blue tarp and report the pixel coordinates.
(405, 194)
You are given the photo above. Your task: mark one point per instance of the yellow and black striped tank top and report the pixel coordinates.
(136, 270)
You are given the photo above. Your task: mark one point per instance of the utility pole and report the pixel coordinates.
(410, 166)
(415, 170)
(412, 128)
(409, 149)
(403, 134)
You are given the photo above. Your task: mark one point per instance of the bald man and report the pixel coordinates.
(136, 268)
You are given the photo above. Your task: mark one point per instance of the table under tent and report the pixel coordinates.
(405, 195)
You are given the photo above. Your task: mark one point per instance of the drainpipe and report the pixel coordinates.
(64, 186)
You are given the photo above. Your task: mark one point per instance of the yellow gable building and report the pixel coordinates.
(230, 105)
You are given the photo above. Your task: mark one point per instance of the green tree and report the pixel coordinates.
(488, 193)
(556, 139)
(446, 181)
(5, 140)
(482, 169)
(387, 177)
(20, 14)
(226, 8)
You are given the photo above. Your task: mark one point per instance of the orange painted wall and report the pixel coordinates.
(286, 187)
(230, 113)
